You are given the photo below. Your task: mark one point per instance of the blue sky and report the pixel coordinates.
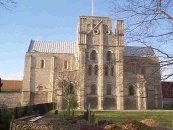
(51, 20)
(41, 20)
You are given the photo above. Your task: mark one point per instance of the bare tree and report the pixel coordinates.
(1, 84)
(149, 22)
(8, 3)
(66, 87)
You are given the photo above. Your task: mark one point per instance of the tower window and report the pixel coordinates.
(133, 68)
(93, 89)
(93, 55)
(106, 71)
(96, 70)
(108, 89)
(143, 70)
(65, 64)
(108, 56)
(88, 27)
(94, 25)
(42, 63)
(40, 88)
(131, 90)
(90, 70)
(112, 71)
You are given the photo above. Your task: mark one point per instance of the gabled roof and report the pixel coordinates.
(138, 51)
(52, 47)
(71, 48)
(11, 86)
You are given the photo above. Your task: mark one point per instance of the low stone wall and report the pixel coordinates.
(10, 99)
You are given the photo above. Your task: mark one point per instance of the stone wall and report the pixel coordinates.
(39, 82)
(144, 74)
(10, 99)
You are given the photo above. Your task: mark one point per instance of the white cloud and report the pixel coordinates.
(12, 76)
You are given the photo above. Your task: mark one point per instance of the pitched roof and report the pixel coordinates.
(11, 85)
(52, 47)
(138, 51)
(71, 47)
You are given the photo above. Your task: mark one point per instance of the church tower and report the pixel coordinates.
(100, 63)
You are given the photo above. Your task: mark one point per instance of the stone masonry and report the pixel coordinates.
(109, 75)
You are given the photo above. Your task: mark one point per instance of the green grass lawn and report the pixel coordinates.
(163, 117)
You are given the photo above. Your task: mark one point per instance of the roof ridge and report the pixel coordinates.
(52, 46)
(139, 46)
(53, 41)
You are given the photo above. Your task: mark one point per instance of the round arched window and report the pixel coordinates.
(109, 56)
(96, 69)
(108, 89)
(93, 89)
(131, 90)
(42, 63)
(106, 70)
(93, 55)
(90, 70)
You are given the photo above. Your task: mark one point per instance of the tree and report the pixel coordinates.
(149, 22)
(7, 3)
(0, 84)
(66, 87)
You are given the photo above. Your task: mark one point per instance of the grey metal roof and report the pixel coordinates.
(138, 51)
(71, 47)
(52, 47)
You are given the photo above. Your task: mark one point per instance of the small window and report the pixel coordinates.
(131, 90)
(42, 63)
(88, 27)
(93, 89)
(96, 70)
(96, 31)
(93, 55)
(70, 89)
(109, 56)
(94, 25)
(143, 70)
(40, 88)
(108, 89)
(133, 68)
(90, 70)
(112, 71)
(106, 71)
(65, 64)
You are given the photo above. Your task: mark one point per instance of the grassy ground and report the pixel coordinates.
(163, 117)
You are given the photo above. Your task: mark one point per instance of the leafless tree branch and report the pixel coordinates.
(148, 22)
(8, 4)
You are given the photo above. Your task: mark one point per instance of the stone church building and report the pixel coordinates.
(106, 73)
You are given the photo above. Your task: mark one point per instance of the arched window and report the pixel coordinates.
(112, 71)
(133, 68)
(108, 56)
(88, 27)
(42, 63)
(96, 70)
(90, 70)
(108, 89)
(40, 88)
(93, 55)
(71, 89)
(131, 90)
(65, 64)
(143, 70)
(106, 70)
(93, 89)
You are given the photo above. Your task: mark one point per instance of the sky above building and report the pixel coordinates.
(47, 20)
(53, 20)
